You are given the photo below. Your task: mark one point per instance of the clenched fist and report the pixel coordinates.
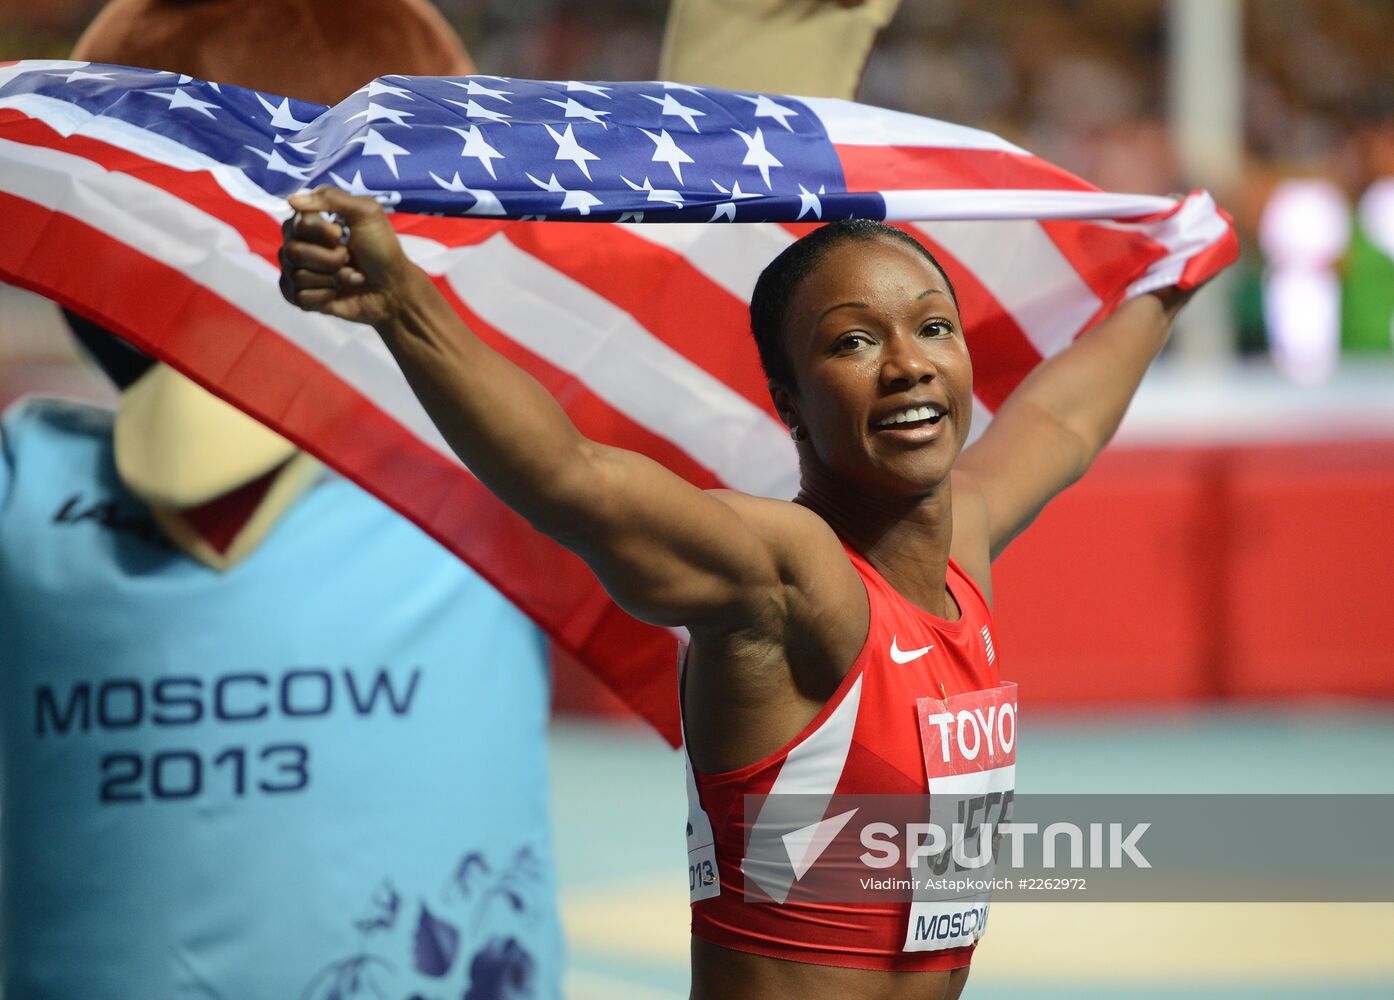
(357, 279)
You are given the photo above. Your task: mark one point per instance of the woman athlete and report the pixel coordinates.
(859, 332)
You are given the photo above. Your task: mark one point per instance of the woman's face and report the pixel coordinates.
(883, 383)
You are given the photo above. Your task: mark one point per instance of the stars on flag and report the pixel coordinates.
(589, 88)
(377, 89)
(727, 209)
(667, 151)
(278, 164)
(281, 116)
(474, 88)
(666, 195)
(757, 155)
(569, 149)
(623, 139)
(485, 201)
(735, 191)
(573, 108)
(766, 108)
(375, 144)
(476, 110)
(183, 99)
(356, 186)
(82, 74)
(379, 112)
(582, 201)
(670, 105)
(305, 148)
(478, 147)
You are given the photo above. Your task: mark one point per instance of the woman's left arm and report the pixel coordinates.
(1049, 430)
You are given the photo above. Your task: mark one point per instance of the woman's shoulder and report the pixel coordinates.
(809, 551)
(780, 516)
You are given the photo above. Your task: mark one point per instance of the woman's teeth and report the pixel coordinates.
(913, 416)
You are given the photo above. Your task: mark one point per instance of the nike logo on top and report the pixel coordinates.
(906, 655)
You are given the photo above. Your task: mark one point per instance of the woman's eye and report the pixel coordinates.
(850, 341)
(937, 328)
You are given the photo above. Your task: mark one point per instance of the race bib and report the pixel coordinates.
(969, 746)
(703, 882)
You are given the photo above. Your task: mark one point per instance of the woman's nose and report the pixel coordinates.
(904, 360)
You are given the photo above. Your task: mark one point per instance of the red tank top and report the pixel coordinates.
(866, 740)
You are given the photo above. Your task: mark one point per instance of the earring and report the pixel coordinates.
(796, 433)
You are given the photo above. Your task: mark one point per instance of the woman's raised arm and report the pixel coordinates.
(1053, 425)
(668, 552)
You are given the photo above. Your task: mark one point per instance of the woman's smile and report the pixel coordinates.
(914, 424)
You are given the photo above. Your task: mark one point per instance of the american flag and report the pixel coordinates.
(151, 203)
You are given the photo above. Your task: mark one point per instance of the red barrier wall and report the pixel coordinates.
(1175, 575)
(1312, 607)
(1105, 597)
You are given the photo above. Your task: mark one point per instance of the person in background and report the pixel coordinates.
(780, 46)
(260, 737)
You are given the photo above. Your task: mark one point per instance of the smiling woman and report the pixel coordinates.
(897, 324)
(828, 633)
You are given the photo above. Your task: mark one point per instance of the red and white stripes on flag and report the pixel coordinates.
(640, 331)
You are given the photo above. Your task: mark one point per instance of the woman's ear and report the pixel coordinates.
(784, 403)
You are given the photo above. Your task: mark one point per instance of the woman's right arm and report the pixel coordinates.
(666, 551)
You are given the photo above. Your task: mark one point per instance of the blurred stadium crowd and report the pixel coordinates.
(1083, 83)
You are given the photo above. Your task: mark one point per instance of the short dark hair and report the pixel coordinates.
(786, 272)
